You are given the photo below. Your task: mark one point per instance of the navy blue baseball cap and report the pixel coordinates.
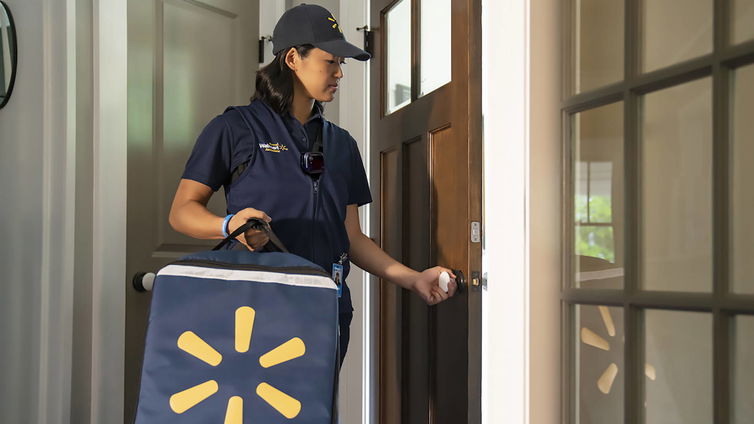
(315, 25)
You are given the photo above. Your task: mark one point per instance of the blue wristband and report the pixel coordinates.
(225, 224)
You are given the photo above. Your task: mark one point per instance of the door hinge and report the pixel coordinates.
(262, 46)
(368, 39)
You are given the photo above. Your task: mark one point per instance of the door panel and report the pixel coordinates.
(450, 234)
(416, 230)
(426, 158)
(390, 294)
(194, 88)
(188, 60)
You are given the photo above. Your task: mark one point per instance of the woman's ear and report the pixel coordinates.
(292, 58)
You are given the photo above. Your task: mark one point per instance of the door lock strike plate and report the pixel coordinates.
(476, 232)
(476, 281)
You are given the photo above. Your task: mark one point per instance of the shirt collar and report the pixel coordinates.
(316, 114)
(317, 111)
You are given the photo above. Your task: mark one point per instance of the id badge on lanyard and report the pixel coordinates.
(337, 273)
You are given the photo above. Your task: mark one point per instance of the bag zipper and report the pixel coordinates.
(206, 263)
(313, 226)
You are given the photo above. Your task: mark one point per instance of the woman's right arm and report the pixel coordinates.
(189, 215)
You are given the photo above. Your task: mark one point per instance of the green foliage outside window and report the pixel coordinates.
(594, 240)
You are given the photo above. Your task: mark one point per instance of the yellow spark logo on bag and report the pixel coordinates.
(192, 344)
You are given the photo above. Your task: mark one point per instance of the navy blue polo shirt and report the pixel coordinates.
(307, 214)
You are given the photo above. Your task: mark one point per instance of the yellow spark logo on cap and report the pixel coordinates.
(192, 344)
(335, 24)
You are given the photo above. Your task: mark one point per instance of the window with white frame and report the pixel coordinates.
(658, 214)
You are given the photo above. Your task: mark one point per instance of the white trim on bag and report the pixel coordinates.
(300, 280)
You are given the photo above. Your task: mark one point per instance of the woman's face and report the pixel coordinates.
(318, 73)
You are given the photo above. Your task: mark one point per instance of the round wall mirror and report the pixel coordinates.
(8, 54)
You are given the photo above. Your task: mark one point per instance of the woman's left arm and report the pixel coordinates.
(369, 257)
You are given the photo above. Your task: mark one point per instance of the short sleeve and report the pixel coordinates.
(210, 160)
(358, 187)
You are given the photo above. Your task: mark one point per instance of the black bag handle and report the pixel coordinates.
(274, 245)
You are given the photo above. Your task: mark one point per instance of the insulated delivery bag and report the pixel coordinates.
(241, 337)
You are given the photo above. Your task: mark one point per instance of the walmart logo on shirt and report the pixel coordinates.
(273, 147)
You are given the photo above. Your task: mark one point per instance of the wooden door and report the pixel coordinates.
(426, 177)
(187, 61)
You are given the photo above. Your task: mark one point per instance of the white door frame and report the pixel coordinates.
(505, 258)
(521, 259)
(110, 43)
(58, 160)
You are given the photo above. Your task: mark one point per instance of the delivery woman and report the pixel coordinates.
(280, 160)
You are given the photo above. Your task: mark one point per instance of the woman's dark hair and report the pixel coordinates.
(274, 84)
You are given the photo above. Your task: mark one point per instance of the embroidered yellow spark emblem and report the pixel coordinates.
(192, 344)
(335, 24)
(273, 147)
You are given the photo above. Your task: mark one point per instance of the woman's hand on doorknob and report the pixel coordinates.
(427, 285)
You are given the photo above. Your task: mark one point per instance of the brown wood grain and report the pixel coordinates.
(431, 189)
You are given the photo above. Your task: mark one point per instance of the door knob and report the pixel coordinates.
(143, 281)
(460, 280)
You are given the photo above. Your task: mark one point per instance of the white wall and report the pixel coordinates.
(544, 211)
(357, 379)
(36, 217)
(521, 307)
(20, 218)
(505, 301)
(269, 13)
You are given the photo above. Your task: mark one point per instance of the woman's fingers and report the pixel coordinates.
(242, 216)
(252, 239)
(248, 213)
(440, 293)
(452, 287)
(256, 239)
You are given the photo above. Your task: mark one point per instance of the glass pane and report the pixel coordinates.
(599, 364)
(742, 12)
(675, 30)
(598, 44)
(743, 371)
(398, 20)
(676, 189)
(435, 45)
(742, 195)
(598, 197)
(678, 368)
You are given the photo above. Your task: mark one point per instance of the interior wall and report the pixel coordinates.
(352, 100)
(21, 215)
(37, 166)
(545, 174)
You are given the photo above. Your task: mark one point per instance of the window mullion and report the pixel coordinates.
(634, 347)
(721, 361)
(720, 174)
